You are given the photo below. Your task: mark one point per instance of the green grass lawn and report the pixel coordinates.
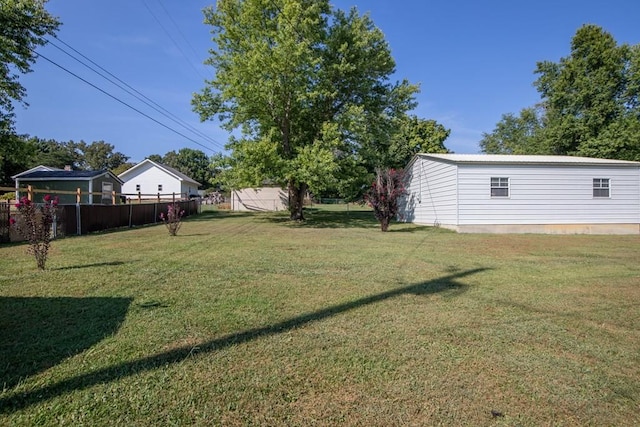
(248, 319)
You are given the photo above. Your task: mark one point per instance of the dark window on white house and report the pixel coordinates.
(499, 187)
(137, 188)
(159, 187)
(601, 187)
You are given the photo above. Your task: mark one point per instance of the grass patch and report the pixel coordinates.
(248, 319)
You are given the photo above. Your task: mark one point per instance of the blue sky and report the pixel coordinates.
(474, 61)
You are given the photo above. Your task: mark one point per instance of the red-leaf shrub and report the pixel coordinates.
(173, 219)
(34, 225)
(383, 195)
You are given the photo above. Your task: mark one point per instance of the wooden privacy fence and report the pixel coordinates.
(111, 198)
(83, 219)
(5, 214)
(78, 219)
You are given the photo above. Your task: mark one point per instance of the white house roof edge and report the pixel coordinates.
(527, 159)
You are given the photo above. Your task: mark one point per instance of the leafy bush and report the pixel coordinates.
(34, 225)
(173, 219)
(383, 195)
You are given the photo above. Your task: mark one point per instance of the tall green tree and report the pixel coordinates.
(193, 163)
(515, 134)
(50, 152)
(16, 153)
(585, 92)
(590, 103)
(415, 135)
(23, 27)
(155, 158)
(308, 86)
(99, 155)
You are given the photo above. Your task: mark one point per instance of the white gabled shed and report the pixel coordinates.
(477, 193)
(150, 179)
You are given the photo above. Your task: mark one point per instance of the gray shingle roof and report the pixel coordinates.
(62, 174)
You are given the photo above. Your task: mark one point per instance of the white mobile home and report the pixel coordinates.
(522, 194)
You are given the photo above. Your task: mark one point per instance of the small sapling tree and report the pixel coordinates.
(383, 195)
(173, 219)
(34, 225)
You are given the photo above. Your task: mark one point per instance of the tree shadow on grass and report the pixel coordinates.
(95, 264)
(208, 215)
(15, 401)
(317, 218)
(38, 333)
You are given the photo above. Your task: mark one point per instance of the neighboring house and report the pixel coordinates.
(522, 194)
(150, 179)
(259, 199)
(96, 187)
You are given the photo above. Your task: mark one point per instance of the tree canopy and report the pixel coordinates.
(193, 163)
(308, 86)
(415, 135)
(98, 155)
(23, 27)
(590, 104)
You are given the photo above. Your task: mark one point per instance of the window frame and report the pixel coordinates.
(601, 185)
(107, 191)
(497, 185)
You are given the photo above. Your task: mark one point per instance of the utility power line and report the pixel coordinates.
(121, 101)
(172, 39)
(195, 54)
(137, 94)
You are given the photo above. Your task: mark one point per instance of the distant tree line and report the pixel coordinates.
(589, 104)
(100, 155)
(34, 151)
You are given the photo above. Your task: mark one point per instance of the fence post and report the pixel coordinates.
(113, 197)
(30, 193)
(158, 197)
(174, 198)
(78, 196)
(139, 198)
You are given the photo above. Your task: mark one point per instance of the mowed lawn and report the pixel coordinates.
(248, 319)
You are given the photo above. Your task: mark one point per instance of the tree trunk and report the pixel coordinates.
(296, 200)
(384, 224)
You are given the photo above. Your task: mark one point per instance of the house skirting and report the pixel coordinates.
(546, 228)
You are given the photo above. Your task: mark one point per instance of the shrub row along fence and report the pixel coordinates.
(83, 219)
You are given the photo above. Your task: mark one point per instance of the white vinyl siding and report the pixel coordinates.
(431, 193)
(544, 194)
(147, 179)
